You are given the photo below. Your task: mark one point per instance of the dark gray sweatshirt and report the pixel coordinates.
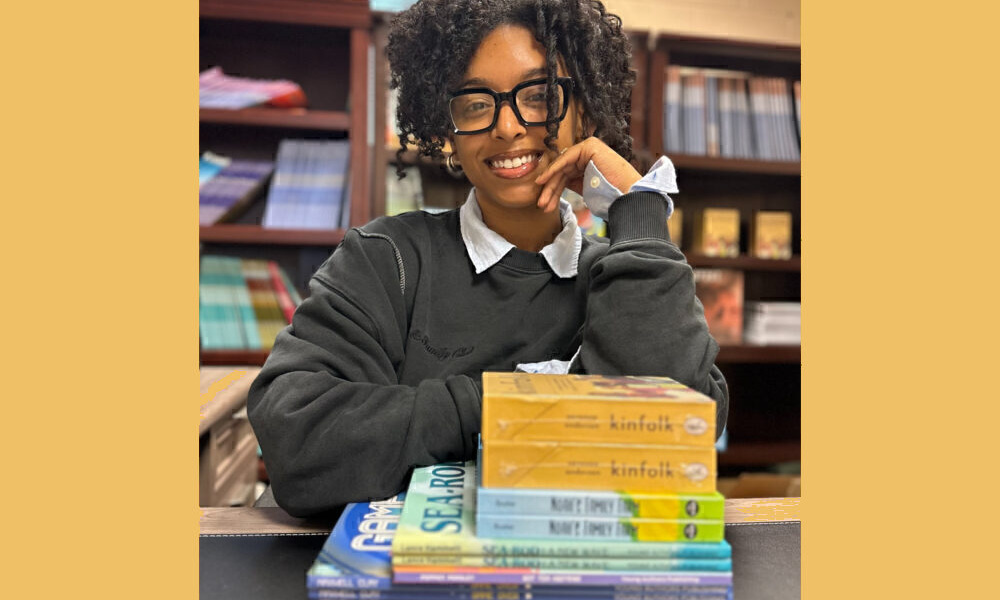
(380, 370)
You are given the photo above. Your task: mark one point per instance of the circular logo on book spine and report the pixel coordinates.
(695, 471)
(691, 508)
(695, 425)
(690, 531)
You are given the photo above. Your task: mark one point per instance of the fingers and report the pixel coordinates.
(548, 200)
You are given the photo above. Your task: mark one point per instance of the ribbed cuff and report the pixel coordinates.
(638, 215)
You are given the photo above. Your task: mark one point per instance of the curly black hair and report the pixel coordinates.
(432, 42)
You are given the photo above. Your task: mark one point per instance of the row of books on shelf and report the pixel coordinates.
(731, 114)
(307, 187)
(243, 303)
(733, 321)
(716, 232)
(528, 519)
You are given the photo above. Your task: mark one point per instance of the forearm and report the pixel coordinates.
(327, 441)
(332, 420)
(643, 317)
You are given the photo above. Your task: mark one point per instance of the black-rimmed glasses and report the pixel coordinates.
(475, 110)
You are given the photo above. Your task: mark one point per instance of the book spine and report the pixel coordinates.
(712, 140)
(745, 147)
(281, 292)
(510, 592)
(788, 118)
(657, 469)
(672, 101)
(726, 138)
(674, 420)
(565, 564)
(497, 576)
(558, 503)
(209, 313)
(599, 529)
(762, 129)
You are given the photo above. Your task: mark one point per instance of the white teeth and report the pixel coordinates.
(512, 163)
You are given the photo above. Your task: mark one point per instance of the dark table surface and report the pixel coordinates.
(248, 566)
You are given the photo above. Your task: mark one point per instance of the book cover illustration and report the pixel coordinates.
(560, 503)
(721, 294)
(440, 517)
(772, 234)
(595, 409)
(717, 232)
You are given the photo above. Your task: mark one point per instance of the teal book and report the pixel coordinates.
(440, 518)
(564, 503)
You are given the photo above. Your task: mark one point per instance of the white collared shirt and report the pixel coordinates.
(486, 247)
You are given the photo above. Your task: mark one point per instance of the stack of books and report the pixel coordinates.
(542, 515)
(310, 188)
(773, 323)
(216, 89)
(228, 186)
(243, 303)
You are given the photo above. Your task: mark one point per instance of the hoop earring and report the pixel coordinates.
(453, 168)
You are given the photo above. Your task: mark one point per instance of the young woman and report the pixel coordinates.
(380, 370)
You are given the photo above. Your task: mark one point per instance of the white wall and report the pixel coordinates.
(775, 21)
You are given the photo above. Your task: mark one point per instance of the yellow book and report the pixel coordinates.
(772, 234)
(675, 225)
(608, 467)
(717, 232)
(595, 409)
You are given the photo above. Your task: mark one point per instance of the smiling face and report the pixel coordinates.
(503, 163)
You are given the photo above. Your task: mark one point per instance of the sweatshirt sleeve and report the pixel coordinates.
(333, 423)
(643, 317)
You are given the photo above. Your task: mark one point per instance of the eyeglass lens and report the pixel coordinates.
(471, 112)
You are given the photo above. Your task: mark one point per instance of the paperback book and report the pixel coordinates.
(595, 409)
(721, 294)
(440, 518)
(592, 503)
(607, 467)
(601, 528)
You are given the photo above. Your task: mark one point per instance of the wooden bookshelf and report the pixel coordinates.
(749, 353)
(255, 234)
(233, 357)
(735, 165)
(745, 263)
(293, 118)
(338, 13)
(764, 381)
(321, 45)
(759, 454)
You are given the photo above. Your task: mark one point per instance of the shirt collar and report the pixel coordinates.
(486, 247)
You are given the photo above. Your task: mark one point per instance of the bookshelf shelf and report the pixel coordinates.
(761, 453)
(297, 118)
(255, 234)
(746, 263)
(735, 165)
(749, 353)
(342, 13)
(233, 357)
